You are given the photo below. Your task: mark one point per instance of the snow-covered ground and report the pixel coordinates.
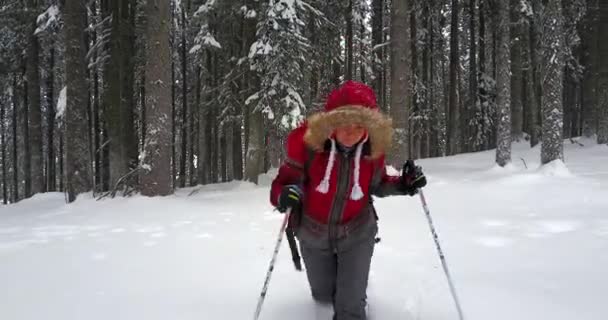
(521, 244)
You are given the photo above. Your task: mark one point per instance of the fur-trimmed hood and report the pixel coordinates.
(322, 125)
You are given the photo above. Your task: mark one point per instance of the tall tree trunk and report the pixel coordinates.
(473, 83)
(34, 109)
(503, 87)
(400, 81)
(118, 94)
(3, 152)
(377, 41)
(602, 132)
(202, 127)
(517, 111)
(483, 101)
(173, 127)
(348, 74)
(184, 122)
(97, 133)
(156, 176)
(77, 140)
(50, 96)
(61, 161)
(553, 78)
(454, 112)
(27, 151)
(15, 144)
(529, 88)
(255, 150)
(590, 59)
(414, 125)
(426, 76)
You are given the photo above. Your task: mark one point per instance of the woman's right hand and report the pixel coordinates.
(290, 197)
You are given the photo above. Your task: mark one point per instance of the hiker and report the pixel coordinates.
(335, 162)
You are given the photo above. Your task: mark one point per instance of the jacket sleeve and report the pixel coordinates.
(384, 184)
(292, 169)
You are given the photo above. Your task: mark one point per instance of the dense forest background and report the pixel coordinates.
(123, 96)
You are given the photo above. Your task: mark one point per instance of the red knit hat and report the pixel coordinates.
(351, 93)
(351, 103)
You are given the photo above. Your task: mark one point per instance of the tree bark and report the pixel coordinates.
(15, 144)
(3, 152)
(156, 176)
(473, 82)
(27, 151)
(118, 94)
(50, 96)
(348, 73)
(503, 87)
(552, 78)
(34, 109)
(184, 122)
(377, 41)
(528, 47)
(454, 112)
(255, 151)
(590, 59)
(400, 81)
(602, 132)
(77, 140)
(517, 111)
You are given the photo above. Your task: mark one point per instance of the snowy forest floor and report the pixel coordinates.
(521, 244)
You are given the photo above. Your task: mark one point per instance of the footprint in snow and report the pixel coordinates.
(204, 236)
(495, 223)
(98, 256)
(494, 242)
(559, 226)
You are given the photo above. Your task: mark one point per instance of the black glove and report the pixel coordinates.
(290, 197)
(412, 178)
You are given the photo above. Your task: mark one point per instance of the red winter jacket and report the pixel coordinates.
(305, 165)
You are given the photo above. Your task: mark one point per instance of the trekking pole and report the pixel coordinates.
(441, 256)
(271, 267)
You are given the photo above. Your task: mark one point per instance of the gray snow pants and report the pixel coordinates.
(341, 278)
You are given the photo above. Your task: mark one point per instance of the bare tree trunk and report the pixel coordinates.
(118, 94)
(553, 78)
(77, 140)
(27, 152)
(202, 163)
(529, 89)
(173, 127)
(156, 176)
(377, 41)
(3, 152)
(348, 74)
(255, 151)
(400, 81)
(503, 87)
(517, 111)
(454, 112)
(184, 122)
(590, 60)
(414, 125)
(34, 109)
(50, 96)
(473, 82)
(15, 145)
(602, 132)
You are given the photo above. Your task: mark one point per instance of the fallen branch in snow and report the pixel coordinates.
(122, 181)
(576, 142)
(524, 161)
(195, 191)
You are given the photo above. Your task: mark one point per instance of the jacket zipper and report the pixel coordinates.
(339, 201)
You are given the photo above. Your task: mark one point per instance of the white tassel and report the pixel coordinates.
(357, 193)
(323, 187)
